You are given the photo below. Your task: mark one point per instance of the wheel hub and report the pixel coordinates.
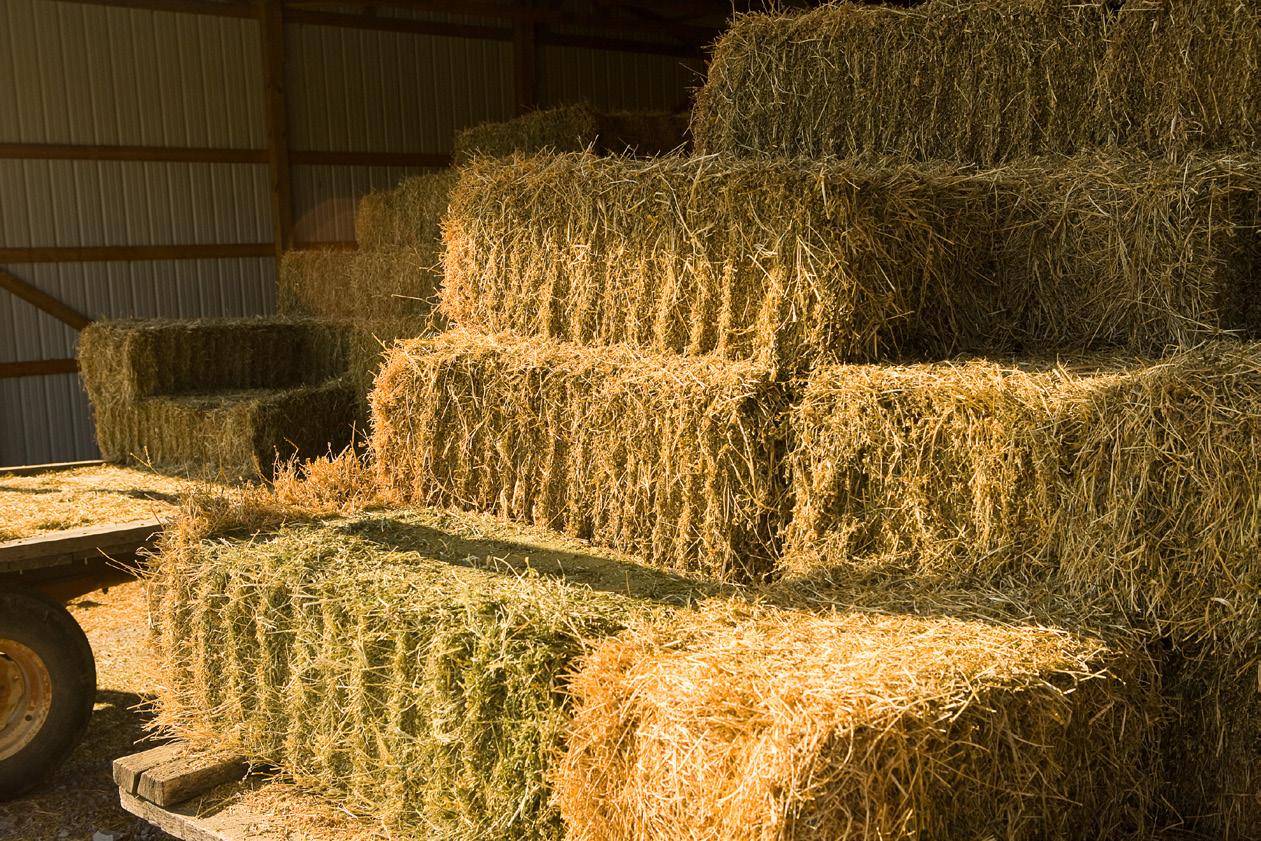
(26, 695)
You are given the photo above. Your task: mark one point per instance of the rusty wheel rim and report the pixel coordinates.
(26, 695)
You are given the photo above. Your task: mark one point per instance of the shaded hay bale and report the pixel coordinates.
(784, 263)
(1183, 76)
(982, 81)
(228, 394)
(669, 458)
(794, 264)
(734, 722)
(393, 285)
(407, 216)
(409, 665)
(573, 128)
(1129, 480)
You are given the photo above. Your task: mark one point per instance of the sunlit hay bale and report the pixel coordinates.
(392, 285)
(785, 263)
(1119, 250)
(730, 723)
(409, 665)
(1130, 480)
(230, 395)
(982, 81)
(573, 128)
(1183, 76)
(406, 216)
(673, 459)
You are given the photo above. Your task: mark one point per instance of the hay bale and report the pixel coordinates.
(573, 128)
(1121, 250)
(409, 665)
(407, 216)
(1129, 480)
(228, 394)
(982, 81)
(784, 263)
(1184, 76)
(673, 459)
(392, 285)
(731, 723)
(795, 264)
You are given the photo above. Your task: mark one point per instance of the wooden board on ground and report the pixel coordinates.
(214, 797)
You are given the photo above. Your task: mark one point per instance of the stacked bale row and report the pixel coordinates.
(985, 81)
(419, 667)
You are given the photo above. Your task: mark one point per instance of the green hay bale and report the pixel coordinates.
(1129, 480)
(738, 723)
(675, 460)
(784, 263)
(572, 128)
(795, 264)
(407, 216)
(1184, 76)
(225, 394)
(410, 665)
(394, 285)
(983, 81)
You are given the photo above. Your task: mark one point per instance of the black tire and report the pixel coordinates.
(53, 641)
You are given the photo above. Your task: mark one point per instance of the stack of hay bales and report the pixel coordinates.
(1015, 597)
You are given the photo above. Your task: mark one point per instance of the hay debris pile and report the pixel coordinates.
(228, 395)
(670, 458)
(410, 665)
(740, 723)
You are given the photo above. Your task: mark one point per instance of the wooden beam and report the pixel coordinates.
(41, 300)
(272, 38)
(37, 368)
(427, 159)
(51, 467)
(409, 25)
(236, 9)
(97, 152)
(117, 253)
(600, 42)
(525, 65)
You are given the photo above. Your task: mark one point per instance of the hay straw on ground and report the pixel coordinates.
(784, 263)
(735, 722)
(410, 665)
(225, 395)
(1127, 480)
(573, 128)
(983, 81)
(794, 264)
(669, 458)
(86, 496)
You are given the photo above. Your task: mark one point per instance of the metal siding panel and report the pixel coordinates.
(325, 197)
(613, 81)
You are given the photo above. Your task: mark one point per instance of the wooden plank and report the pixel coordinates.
(192, 7)
(37, 368)
(115, 253)
(51, 467)
(98, 152)
(70, 544)
(272, 37)
(41, 300)
(411, 26)
(187, 776)
(183, 826)
(128, 769)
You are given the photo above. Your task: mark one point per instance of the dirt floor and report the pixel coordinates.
(81, 799)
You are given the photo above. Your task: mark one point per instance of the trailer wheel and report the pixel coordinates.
(47, 688)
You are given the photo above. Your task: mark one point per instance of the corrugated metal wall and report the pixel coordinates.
(74, 73)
